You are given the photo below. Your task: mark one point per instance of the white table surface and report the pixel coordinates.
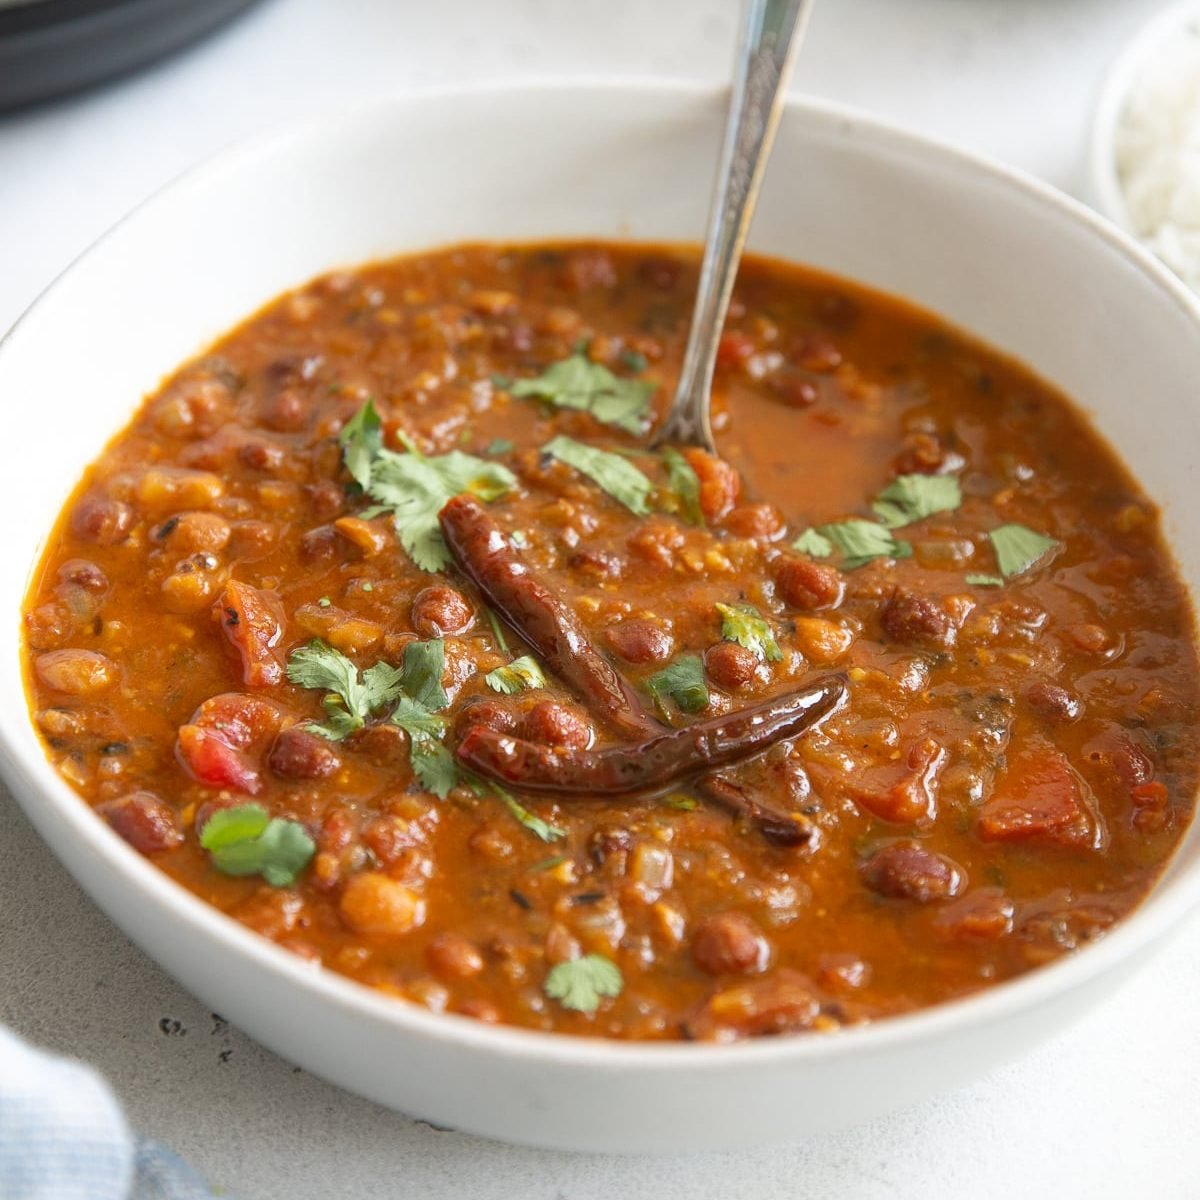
(1106, 1110)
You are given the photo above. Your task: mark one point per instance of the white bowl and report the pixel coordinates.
(1020, 265)
(1103, 188)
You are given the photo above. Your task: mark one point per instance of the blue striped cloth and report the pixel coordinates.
(63, 1137)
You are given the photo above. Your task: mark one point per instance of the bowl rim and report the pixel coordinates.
(1104, 186)
(27, 768)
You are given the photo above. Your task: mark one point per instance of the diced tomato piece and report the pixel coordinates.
(904, 792)
(253, 623)
(720, 484)
(215, 763)
(983, 915)
(1039, 797)
(1119, 755)
(734, 348)
(242, 721)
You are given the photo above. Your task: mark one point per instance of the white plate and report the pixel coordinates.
(1026, 269)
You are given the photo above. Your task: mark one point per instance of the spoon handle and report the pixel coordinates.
(771, 36)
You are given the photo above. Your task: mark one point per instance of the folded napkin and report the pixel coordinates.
(63, 1137)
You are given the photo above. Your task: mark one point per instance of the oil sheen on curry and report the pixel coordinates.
(383, 630)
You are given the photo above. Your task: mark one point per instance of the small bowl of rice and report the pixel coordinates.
(1145, 152)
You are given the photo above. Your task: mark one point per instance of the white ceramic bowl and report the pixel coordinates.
(1103, 183)
(1021, 266)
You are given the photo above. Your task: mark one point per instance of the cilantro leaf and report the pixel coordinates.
(352, 698)
(684, 484)
(683, 682)
(682, 802)
(497, 631)
(1018, 548)
(244, 840)
(862, 541)
(414, 487)
(985, 580)
(535, 824)
(813, 543)
(416, 720)
(424, 665)
(581, 384)
(580, 983)
(500, 446)
(521, 673)
(744, 624)
(616, 475)
(910, 498)
(361, 439)
(433, 765)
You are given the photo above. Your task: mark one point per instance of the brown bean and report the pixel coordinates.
(817, 352)
(286, 412)
(492, 714)
(638, 641)
(783, 1002)
(260, 455)
(321, 544)
(76, 672)
(808, 585)
(451, 956)
(730, 943)
(101, 519)
(762, 521)
(903, 871)
(145, 821)
(84, 574)
(1052, 702)
(553, 724)
(610, 841)
(298, 754)
(437, 611)
(914, 619)
(730, 666)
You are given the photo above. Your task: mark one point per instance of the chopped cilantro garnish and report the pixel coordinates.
(535, 824)
(1018, 548)
(744, 624)
(580, 983)
(681, 802)
(247, 840)
(414, 487)
(814, 543)
(910, 498)
(581, 384)
(985, 580)
(684, 484)
(634, 360)
(521, 673)
(500, 446)
(424, 665)
(325, 602)
(353, 696)
(518, 539)
(616, 475)
(683, 682)
(861, 541)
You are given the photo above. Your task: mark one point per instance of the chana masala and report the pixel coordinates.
(382, 629)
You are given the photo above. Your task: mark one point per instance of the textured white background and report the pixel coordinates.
(1108, 1110)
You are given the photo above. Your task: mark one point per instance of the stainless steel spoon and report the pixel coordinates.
(771, 36)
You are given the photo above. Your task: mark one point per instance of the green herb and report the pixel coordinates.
(521, 673)
(682, 803)
(684, 485)
(503, 382)
(744, 624)
(325, 602)
(361, 439)
(424, 665)
(814, 543)
(910, 498)
(432, 762)
(616, 475)
(368, 586)
(985, 580)
(580, 983)
(634, 360)
(862, 541)
(500, 446)
(1019, 548)
(581, 384)
(246, 840)
(353, 695)
(535, 824)
(548, 864)
(414, 487)
(518, 539)
(683, 682)
(498, 631)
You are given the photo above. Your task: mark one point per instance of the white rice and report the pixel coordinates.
(1158, 153)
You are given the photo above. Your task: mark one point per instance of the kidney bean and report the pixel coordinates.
(808, 585)
(639, 641)
(261, 455)
(437, 611)
(731, 666)
(550, 723)
(144, 820)
(903, 871)
(84, 574)
(913, 619)
(76, 672)
(1053, 703)
(763, 521)
(783, 1002)
(298, 754)
(451, 956)
(101, 519)
(319, 545)
(491, 714)
(287, 411)
(730, 943)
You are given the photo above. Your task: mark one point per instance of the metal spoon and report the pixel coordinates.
(771, 37)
